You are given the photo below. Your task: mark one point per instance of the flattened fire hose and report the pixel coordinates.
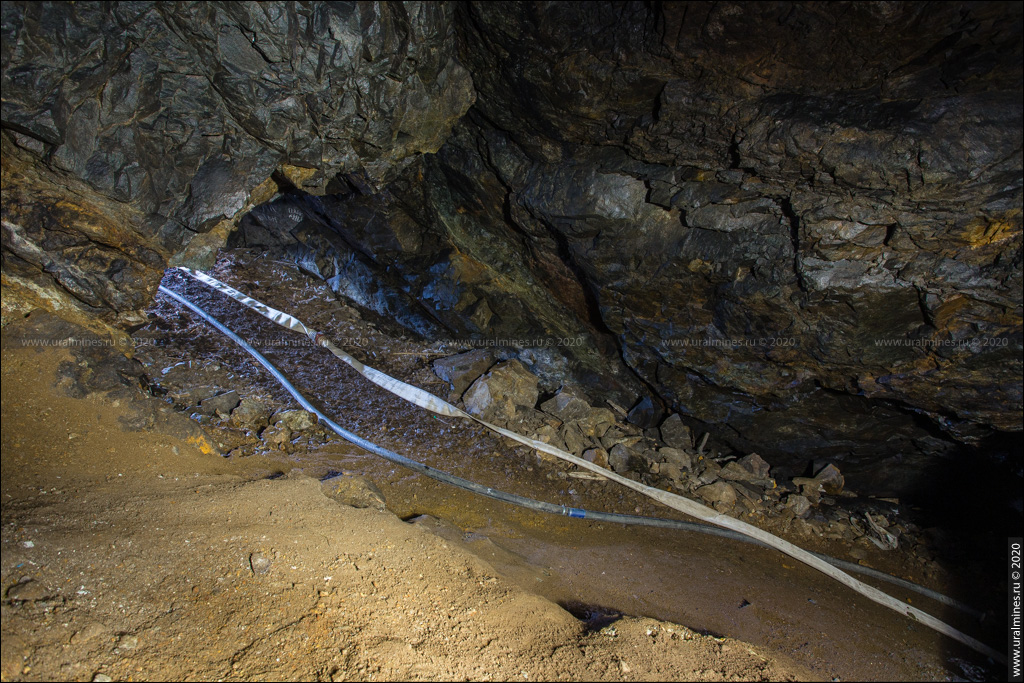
(430, 402)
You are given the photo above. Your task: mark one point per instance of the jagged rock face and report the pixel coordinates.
(135, 131)
(798, 223)
(761, 196)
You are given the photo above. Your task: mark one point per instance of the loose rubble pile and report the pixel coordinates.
(664, 452)
(243, 425)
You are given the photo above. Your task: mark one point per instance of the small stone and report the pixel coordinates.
(747, 492)
(812, 492)
(800, 505)
(568, 404)
(259, 564)
(675, 433)
(611, 437)
(574, 440)
(733, 471)
(619, 458)
(192, 395)
(251, 413)
(222, 403)
(719, 492)
(802, 527)
(677, 457)
(276, 435)
(128, 642)
(671, 471)
(598, 456)
(710, 473)
(628, 429)
(597, 423)
(549, 435)
(830, 480)
(497, 394)
(296, 420)
(528, 420)
(28, 591)
(756, 465)
(102, 678)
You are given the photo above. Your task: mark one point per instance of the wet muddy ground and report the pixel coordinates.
(709, 584)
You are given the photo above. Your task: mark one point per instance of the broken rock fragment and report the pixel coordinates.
(598, 456)
(677, 457)
(645, 414)
(756, 465)
(830, 480)
(568, 404)
(222, 403)
(675, 434)
(721, 492)
(462, 370)
(496, 395)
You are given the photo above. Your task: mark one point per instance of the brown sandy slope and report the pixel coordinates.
(132, 551)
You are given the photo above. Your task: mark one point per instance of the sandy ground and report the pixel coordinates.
(132, 550)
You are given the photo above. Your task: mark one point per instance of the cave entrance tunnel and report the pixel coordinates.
(405, 273)
(948, 501)
(765, 255)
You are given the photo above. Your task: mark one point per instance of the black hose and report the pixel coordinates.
(530, 503)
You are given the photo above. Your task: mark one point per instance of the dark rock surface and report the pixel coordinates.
(675, 433)
(758, 198)
(133, 129)
(799, 221)
(796, 225)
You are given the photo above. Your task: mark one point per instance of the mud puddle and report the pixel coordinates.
(708, 584)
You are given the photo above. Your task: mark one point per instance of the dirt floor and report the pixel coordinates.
(142, 543)
(140, 554)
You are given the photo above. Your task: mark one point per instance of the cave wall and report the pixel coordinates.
(134, 133)
(735, 206)
(835, 177)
